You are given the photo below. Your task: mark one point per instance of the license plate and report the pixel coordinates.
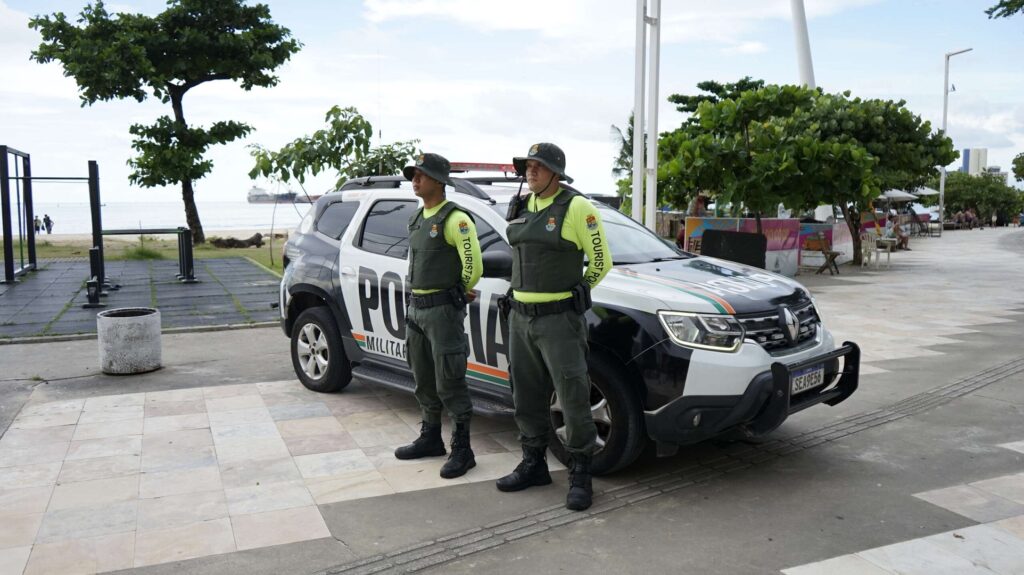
(807, 378)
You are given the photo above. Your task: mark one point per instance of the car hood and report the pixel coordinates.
(700, 284)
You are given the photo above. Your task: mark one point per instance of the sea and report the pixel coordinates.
(75, 218)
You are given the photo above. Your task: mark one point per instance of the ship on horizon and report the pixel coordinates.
(258, 195)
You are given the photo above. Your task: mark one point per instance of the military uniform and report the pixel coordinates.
(444, 264)
(547, 333)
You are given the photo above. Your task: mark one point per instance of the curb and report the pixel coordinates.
(170, 330)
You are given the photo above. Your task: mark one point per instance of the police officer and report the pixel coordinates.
(550, 231)
(444, 265)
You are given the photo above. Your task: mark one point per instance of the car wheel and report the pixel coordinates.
(617, 413)
(317, 353)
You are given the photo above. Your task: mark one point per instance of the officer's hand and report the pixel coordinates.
(471, 296)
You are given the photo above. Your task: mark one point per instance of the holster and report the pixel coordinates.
(581, 301)
(505, 304)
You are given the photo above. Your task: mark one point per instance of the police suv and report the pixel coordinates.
(682, 347)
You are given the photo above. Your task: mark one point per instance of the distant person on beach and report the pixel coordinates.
(48, 223)
(38, 223)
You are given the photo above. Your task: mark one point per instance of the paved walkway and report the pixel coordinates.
(231, 291)
(93, 479)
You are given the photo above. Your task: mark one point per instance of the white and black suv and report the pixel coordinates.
(682, 347)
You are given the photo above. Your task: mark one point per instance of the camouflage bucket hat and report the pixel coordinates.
(548, 154)
(434, 166)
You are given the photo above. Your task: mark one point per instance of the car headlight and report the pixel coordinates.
(714, 332)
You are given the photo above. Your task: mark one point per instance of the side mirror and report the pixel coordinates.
(497, 264)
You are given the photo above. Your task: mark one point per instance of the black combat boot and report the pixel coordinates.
(461, 460)
(532, 470)
(580, 490)
(428, 444)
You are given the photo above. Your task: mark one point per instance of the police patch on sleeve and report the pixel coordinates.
(463, 227)
(591, 222)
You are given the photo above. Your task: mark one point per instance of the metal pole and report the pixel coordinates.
(97, 224)
(651, 195)
(636, 202)
(945, 111)
(30, 213)
(803, 43)
(5, 209)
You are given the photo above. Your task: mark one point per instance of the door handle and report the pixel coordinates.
(347, 271)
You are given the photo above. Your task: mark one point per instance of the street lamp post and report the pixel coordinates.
(945, 111)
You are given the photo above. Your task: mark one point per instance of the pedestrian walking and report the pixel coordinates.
(444, 266)
(550, 231)
(48, 223)
(38, 224)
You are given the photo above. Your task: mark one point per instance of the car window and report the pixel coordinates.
(490, 240)
(386, 229)
(335, 219)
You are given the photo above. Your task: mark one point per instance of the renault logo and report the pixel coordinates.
(789, 324)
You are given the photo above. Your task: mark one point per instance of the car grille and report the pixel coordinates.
(764, 328)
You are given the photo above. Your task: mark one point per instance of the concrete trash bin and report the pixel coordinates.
(129, 340)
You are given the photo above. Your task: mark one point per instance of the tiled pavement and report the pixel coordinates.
(49, 301)
(111, 482)
(993, 547)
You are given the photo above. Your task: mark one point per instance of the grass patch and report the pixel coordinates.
(114, 250)
(142, 253)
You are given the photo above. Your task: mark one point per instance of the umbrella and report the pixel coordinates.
(925, 191)
(898, 196)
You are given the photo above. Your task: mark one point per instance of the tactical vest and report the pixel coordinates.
(542, 261)
(433, 264)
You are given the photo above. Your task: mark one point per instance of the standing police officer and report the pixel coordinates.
(550, 231)
(444, 265)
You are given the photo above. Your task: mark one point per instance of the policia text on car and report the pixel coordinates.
(444, 265)
(550, 231)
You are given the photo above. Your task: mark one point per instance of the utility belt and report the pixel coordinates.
(579, 302)
(454, 295)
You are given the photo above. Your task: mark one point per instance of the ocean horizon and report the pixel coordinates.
(75, 217)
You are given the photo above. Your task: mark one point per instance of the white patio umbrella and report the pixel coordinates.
(896, 196)
(925, 191)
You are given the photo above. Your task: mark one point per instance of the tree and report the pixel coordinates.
(1005, 9)
(801, 148)
(192, 42)
(984, 193)
(1018, 167)
(344, 146)
(622, 168)
(715, 92)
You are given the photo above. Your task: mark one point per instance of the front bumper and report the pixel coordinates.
(762, 408)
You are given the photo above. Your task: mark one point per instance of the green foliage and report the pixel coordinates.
(983, 193)
(133, 56)
(801, 148)
(1018, 167)
(1005, 9)
(386, 160)
(170, 153)
(344, 146)
(715, 92)
(622, 167)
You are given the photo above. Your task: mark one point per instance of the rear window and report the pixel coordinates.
(336, 218)
(386, 229)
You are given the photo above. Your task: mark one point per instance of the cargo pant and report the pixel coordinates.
(548, 353)
(437, 348)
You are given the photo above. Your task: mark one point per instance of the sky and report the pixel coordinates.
(482, 80)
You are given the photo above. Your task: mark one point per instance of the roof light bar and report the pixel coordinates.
(482, 167)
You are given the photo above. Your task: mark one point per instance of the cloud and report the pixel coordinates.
(747, 48)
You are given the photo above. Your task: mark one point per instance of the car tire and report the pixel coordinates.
(619, 421)
(317, 353)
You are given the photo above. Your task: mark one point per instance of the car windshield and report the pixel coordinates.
(630, 242)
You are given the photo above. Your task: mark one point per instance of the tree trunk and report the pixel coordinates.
(757, 217)
(853, 222)
(187, 193)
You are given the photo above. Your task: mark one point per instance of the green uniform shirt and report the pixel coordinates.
(460, 233)
(575, 229)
